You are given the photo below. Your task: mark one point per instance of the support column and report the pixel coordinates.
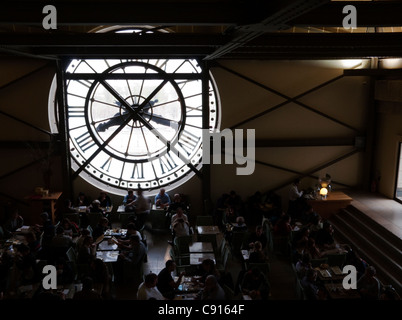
(206, 168)
(63, 130)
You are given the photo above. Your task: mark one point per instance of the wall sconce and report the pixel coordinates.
(323, 193)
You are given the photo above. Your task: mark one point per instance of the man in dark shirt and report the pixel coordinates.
(166, 284)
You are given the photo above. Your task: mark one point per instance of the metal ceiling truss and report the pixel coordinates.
(355, 142)
(288, 99)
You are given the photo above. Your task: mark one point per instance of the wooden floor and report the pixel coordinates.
(386, 212)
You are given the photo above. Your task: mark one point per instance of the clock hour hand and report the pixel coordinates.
(117, 119)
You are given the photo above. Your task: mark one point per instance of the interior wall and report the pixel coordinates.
(389, 128)
(344, 99)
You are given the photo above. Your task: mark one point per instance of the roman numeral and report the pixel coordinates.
(85, 141)
(188, 141)
(76, 112)
(107, 164)
(138, 171)
(167, 163)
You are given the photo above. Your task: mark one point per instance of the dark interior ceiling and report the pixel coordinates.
(212, 29)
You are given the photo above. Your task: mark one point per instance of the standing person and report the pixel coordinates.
(166, 284)
(142, 207)
(148, 290)
(295, 197)
(162, 199)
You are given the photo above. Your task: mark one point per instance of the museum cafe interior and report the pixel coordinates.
(106, 112)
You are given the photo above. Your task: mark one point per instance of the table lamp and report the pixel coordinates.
(323, 193)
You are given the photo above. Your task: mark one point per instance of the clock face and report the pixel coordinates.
(137, 122)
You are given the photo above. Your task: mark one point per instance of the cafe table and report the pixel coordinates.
(208, 230)
(187, 286)
(106, 246)
(200, 247)
(336, 291)
(330, 274)
(117, 232)
(197, 258)
(108, 256)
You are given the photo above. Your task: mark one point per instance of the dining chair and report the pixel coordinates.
(75, 217)
(317, 262)
(337, 259)
(204, 221)
(265, 267)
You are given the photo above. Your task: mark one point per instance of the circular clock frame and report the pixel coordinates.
(173, 163)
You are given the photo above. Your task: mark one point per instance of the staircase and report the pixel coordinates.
(374, 243)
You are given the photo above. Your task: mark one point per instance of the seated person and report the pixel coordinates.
(240, 225)
(368, 285)
(255, 284)
(212, 289)
(177, 202)
(311, 287)
(100, 228)
(258, 235)
(136, 252)
(26, 270)
(257, 255)
(283, 227)
(179, 215)
(87, 292)
(181, 228)
(162, 199)
(180, 225)
(66, 207)
(61, 239)
(166, 284)
(325, 237)
(105, 200)
(82, 200)
(206, 268)
(87, 251)
(70, 227)
(128, 201)
(14, 222)
(124, 242)
(95, 207)
(148, 290)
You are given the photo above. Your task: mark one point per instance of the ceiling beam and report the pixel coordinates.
(267, 46)
(276, 20)
(369, 14)
(120, 12)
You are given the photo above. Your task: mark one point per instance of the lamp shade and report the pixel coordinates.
(323, 191)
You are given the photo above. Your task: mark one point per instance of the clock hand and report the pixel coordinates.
(116, 120)
(161, 120)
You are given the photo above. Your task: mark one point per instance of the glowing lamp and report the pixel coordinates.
(323, 193)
